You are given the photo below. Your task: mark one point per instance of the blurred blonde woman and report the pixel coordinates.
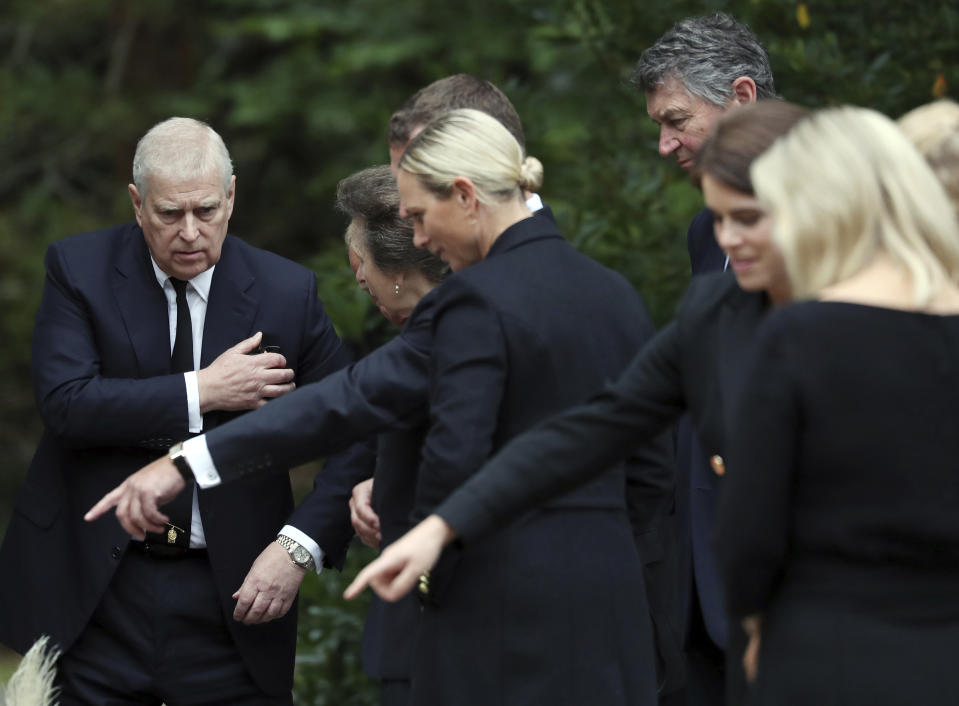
(551, 608)
(838, 535)
(934, 130)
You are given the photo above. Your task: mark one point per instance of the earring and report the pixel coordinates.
(396, 289)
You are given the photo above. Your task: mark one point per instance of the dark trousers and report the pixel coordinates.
(158, 636)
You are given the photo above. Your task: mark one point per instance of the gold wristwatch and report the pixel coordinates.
(299, 554)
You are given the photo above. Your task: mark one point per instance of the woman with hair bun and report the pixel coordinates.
(549, 609)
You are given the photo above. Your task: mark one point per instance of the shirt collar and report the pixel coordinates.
(534, 203)
(201, 283)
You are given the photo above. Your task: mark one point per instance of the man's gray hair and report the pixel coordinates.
(179, 149)
(706, 54)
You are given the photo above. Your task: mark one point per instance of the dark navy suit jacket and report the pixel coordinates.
(697, 485)
(101, 352)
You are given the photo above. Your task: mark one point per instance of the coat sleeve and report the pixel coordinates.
(78, 403)
(754, 515)
(467, 380)
(387, 389)
(568, 449)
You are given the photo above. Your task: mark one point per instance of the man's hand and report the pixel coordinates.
(401, 564)
(269, 588)
(366, 523)
(237, 381)
(137, 499)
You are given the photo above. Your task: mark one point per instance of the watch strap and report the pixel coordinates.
(179, 460)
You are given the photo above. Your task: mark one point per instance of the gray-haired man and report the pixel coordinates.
(700, 68)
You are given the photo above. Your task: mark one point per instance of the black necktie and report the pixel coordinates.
(180, 509)
(181, 360)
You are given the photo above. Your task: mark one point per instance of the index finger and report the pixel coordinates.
(362, 580)
(107, 502)
(249, 344)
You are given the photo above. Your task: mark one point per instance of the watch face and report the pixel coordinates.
(301, 555)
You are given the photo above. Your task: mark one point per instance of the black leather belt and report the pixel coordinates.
(166, 551)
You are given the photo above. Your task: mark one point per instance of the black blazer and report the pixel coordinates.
(694, 364)
(100, 365)
(528, 331)
(705, 255)
(697, 484)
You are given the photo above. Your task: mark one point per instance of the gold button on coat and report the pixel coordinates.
(719, 466)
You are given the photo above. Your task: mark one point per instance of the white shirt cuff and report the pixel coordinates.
(306, 542)
(201, 462)
(194, 418)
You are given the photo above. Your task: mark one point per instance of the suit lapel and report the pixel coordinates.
(231, 308)
(143, 306)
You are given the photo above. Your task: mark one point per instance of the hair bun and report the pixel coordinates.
(531, 174)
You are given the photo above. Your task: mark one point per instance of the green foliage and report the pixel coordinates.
(328, 670)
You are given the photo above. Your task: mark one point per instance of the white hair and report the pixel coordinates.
(180, 148)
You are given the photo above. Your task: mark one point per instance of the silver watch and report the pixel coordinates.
(299, 554)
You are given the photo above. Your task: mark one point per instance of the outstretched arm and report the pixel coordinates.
(572, 447)
(544, 462)
(401, 564)
(387, 388)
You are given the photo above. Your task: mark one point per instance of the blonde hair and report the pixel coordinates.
(845, 185)
(934, 130)
(474, 145)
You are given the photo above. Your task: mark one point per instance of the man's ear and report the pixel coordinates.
(230, 196)
(137, 202)
(744, 91)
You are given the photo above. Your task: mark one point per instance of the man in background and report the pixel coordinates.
(699, 69)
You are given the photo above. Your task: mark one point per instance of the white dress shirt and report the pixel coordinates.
(195, 450)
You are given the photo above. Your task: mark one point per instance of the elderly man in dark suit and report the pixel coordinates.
(144, 336)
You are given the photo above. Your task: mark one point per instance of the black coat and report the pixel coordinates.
(695, 364)
(389, 389)
(550, 609)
